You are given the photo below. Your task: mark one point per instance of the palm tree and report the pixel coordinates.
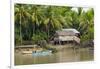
(21, 17)
(36, 17)
(51, 20)
(18, 16)
(90, 20)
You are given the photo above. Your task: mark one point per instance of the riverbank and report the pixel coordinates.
(53, 48)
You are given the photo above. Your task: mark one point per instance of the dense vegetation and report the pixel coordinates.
(34, 22)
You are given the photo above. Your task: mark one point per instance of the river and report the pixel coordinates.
(63, 55)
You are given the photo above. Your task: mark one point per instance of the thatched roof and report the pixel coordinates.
(66, 32)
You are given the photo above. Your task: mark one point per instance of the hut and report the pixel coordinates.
(66, 35)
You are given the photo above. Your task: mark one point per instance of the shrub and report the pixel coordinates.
(17, 40)
(39, 39)
(42, 43)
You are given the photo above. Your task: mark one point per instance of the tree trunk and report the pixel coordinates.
(20, 30)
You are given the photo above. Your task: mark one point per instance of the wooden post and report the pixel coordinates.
(59, 42)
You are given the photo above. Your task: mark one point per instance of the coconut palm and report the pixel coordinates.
(45, 20)
(21, 17)
(51, 21)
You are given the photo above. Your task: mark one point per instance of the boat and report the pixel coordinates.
(42, 53)
(27, 52)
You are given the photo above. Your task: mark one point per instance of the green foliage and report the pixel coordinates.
(38, 37)
(36, 23)
(42, 43)
(17, 40)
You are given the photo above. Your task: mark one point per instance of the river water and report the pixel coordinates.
(63, 55)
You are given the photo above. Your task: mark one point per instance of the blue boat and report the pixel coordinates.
(41, 53)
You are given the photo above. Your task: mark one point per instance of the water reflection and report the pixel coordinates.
(63, 55)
